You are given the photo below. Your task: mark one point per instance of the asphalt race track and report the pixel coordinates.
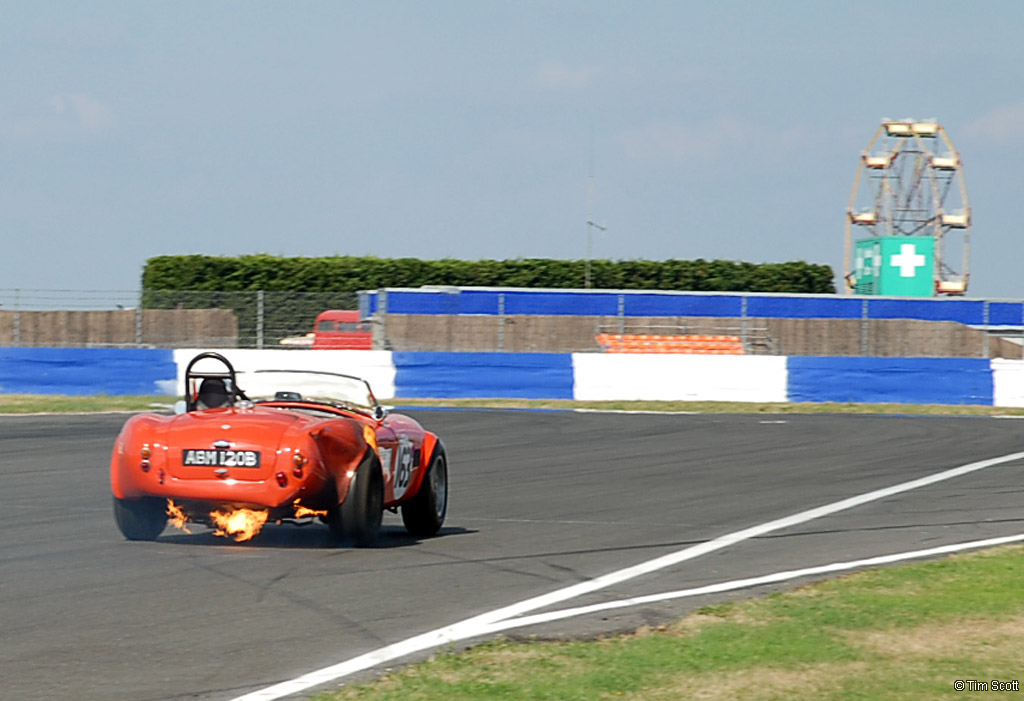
(539, 501)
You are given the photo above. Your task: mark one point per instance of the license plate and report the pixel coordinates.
(220, 457)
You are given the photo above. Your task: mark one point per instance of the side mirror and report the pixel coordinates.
(379, 412)
(179, 406)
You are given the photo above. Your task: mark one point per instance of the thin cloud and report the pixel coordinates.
(678, 142)
(710, 141)
(559, 75)
(63, 116)
(1001, 125)
(87, 112)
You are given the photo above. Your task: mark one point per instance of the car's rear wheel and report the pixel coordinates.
(357, 519)
(140, 519)
(424, 514)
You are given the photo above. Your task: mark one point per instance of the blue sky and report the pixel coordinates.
(470, 129)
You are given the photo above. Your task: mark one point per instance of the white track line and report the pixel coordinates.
(536, 619)
(642, 412)
(482, 623)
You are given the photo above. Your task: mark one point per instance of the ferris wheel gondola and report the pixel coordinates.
(910, 182)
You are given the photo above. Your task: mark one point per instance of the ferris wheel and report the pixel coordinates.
(910, 182)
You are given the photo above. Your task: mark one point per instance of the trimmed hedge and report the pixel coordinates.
(295, 290)
(349, 274)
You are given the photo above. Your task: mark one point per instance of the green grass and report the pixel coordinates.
(719, 407)
(904, 632)
(26, 403)
(35, 403)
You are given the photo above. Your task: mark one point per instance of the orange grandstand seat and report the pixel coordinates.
(655, 343)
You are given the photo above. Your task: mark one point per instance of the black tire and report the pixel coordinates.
(423, 515)
(357, 519)
(140, 519)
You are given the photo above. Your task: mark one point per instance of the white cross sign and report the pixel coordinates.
(908, 260)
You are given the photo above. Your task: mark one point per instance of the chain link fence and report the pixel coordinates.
(161, 318)
(272, 319)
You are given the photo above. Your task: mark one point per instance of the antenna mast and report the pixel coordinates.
(591, 224)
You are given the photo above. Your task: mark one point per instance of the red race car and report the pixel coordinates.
(297, 445)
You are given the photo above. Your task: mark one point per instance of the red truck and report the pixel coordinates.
(341, 329)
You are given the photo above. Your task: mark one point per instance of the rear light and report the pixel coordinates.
(299, 460)
(145, 454)
(145, 465)
(282, 479)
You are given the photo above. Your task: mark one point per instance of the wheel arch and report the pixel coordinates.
(125, 479)
(431, 444)
(343, 481)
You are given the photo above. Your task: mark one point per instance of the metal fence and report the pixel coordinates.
(273, 319)
(161, 318)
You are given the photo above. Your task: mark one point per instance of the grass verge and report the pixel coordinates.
(35, 403)
(718, 407)
(905, 632)
(32, 403)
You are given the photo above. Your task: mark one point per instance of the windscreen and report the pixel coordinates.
(324, 387)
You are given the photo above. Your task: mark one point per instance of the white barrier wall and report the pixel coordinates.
(1007, 382)
(376, 367)
(721, 378)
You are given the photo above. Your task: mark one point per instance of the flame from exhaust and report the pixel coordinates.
(302, 511)
(242, 524)
(177, 517)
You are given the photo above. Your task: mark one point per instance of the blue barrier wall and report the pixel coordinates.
(83, 371)
(962, 311)
(655, 304)
(634, 303)
(521, 375)
(897, 380)
(561, 303)
(830, 307)
(1005, 313)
